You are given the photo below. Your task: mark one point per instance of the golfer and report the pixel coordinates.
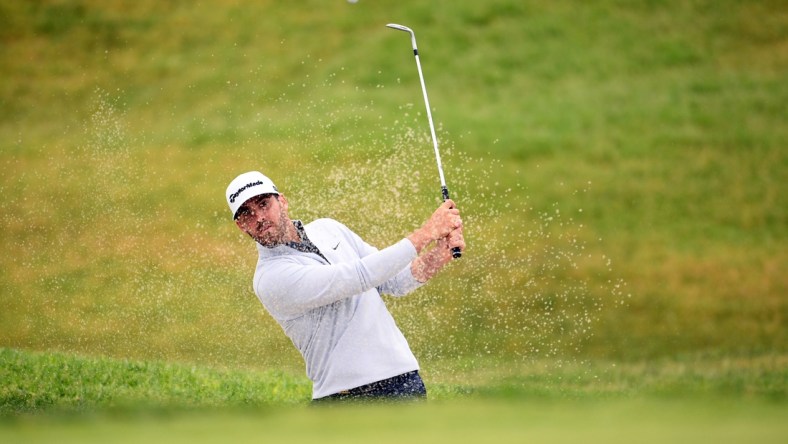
(322, 283)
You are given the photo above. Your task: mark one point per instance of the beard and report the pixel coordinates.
(270, 234)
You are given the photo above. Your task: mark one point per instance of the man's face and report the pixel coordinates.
(265, 219)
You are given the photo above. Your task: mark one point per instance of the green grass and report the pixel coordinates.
(464, 422)
(48, 396)
(621, 167)
(51, 382)
(36, 383)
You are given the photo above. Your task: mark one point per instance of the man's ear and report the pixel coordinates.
(283, 201)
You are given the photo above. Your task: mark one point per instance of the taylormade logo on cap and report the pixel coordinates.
(247, 186)
(243, 188)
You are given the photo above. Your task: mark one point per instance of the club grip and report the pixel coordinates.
(456, 253)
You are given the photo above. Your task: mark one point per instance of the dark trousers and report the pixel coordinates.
(405, 386)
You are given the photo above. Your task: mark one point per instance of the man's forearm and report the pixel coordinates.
(428, 264)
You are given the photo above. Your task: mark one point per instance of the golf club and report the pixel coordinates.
(455, 252)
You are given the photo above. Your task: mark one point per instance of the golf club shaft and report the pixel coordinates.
(432, 126)
(455, 252)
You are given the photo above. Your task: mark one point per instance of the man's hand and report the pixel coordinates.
(442, 222)
(454, 239)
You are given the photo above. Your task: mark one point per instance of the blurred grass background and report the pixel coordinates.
(621, 166)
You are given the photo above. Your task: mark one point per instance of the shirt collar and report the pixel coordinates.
(305, 245)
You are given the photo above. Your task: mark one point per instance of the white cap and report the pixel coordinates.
(247, 186)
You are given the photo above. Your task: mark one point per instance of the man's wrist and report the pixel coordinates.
(418, 270)
(419, 239)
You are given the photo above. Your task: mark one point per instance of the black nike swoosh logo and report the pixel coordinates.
(335, 246)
